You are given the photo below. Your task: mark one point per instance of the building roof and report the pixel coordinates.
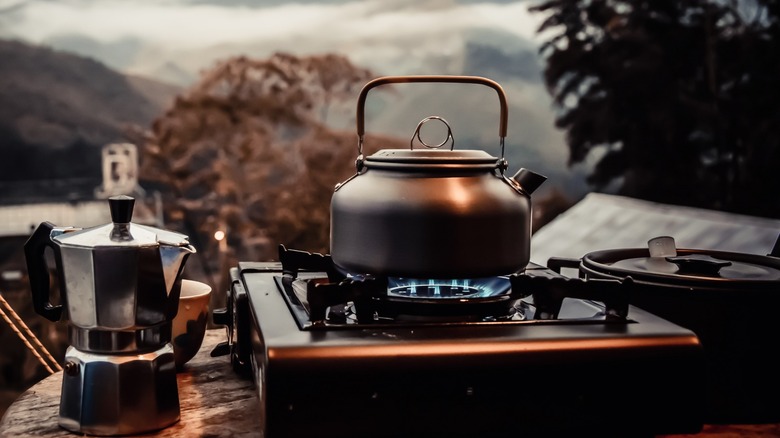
(47, 190)
(21, 220)
(602, 221)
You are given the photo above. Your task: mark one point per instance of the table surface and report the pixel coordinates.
(216, 402)
(213, 402)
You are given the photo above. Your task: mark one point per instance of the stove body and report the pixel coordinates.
(335, 356)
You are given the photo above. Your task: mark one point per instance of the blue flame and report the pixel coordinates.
(448, 288)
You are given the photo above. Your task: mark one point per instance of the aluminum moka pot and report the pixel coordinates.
(119, 290)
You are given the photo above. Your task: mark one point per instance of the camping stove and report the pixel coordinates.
(531, 353)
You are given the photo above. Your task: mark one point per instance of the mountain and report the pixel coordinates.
(57, 110)
(507, 57)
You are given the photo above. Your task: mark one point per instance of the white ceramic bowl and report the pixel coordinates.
(189, 325)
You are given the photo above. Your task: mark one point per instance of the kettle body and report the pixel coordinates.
(433, 219)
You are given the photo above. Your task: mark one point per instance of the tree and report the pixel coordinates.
(247, 150)
(678, 102)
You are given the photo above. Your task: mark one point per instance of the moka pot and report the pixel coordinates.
(119, 291)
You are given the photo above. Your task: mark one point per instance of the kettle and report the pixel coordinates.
(432, 213)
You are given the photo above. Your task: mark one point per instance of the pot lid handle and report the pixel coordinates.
(361, 125)
(698, 264)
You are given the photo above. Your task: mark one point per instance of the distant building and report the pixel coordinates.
(120, 171)
(79, 208)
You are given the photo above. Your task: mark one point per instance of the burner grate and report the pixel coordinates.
(326, 297)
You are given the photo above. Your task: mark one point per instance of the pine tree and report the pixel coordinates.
(676, 102)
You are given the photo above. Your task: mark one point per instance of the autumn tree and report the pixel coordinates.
(247, 149)
(676, 102)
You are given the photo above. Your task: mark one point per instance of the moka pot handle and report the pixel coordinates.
(38, 271)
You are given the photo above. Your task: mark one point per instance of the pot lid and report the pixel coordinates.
(414, 158)
(122, 232)
(688, 267)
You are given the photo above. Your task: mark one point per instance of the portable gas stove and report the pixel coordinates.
(528, 354)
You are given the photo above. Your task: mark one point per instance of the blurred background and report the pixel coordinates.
(231, 121)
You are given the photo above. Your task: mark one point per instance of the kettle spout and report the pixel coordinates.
(173, 259)
(528, 181)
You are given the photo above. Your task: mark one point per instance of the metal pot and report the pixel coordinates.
(432, 213)
(730, 300)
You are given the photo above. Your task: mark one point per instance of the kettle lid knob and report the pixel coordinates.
(121, 208)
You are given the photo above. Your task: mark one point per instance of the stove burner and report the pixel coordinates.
(320, 300)
(448, 289)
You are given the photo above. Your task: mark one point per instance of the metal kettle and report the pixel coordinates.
(430, 212)
(119, 282)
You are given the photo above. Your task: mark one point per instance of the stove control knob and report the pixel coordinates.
(222, 349)
(222, 317)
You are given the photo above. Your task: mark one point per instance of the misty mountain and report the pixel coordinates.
(57, 110)
(116, 54)
(491, 62)
(510, 59)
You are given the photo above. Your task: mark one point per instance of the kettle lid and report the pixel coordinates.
(122, 232)
(416, 158)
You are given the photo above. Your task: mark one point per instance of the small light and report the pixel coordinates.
(219, 235)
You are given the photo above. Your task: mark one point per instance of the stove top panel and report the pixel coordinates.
(563, 369)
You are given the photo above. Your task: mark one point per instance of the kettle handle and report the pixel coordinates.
(38, 271)
(361, 123)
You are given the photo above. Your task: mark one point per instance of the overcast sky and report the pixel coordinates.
(138, 36)
(186, 24)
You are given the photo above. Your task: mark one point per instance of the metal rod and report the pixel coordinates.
(27, 336)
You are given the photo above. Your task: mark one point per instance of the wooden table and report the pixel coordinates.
(215, 402)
